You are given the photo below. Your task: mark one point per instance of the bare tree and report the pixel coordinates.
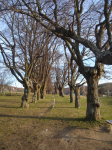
(19, 50)
(43, 68)
(67, 20)
(62, 16)
(73, 75)
(3, 81)
(61, 77)
(49, 85)
(55, 88)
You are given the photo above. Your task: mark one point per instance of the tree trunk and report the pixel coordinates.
(61, 91)
(26, 97)
(38, 94)
(77, 97)
(56, 92)
(71, 94)
(43, 92)
(34, 98)
(27, 89)
(93, 103)
(108, 93)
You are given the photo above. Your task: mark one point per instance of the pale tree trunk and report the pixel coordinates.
(36, 95)
(77, 97)
(2, 90)
(26, 97)
(93, 103)
(34, 98)
(71, 94)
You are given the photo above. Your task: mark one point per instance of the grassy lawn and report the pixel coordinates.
(63, 114)
(22, 125)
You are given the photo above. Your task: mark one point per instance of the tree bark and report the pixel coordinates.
(56, 91)
(38, 93)
(93, 103)
(77, 97)
(61, 91)
(34, 98)
(26, 97)
(71, 94)
(43, 92)
(93, 75)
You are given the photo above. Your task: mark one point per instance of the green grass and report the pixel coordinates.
(62, 115)
(27, 126)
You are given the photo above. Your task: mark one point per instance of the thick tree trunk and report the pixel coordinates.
(26, 97)
(93, 103)
(71, 94)
(61, 91)
(77, 97)
(43, 92)
(27, 89)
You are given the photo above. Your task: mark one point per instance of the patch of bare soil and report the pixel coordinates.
(33, 137)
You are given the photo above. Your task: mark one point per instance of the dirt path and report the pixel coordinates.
(57, 139)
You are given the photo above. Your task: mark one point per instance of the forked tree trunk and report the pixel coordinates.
(71, 94)
(93, 103)
(26, 97)
(77, 97)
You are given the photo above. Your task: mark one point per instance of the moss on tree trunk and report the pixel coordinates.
(26, 97)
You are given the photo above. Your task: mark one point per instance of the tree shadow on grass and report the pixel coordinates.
(64, 107)
(110, 103)
(45, 118)
(81, 119)
(4, 106)
(9, 101)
